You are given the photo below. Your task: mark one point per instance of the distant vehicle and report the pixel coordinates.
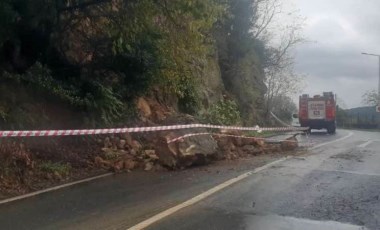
(318, 112)
(295, 120)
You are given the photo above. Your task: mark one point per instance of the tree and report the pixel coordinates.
(284, 107)
(371, 98)
(277, 56)
(239, 59)
(99, 55)
(284, 83)
(340, 103)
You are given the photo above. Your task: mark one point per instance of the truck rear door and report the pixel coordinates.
(316, 109)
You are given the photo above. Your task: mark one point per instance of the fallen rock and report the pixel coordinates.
(252, 150)
(189, 151)
(159, 115)
(136, 145)
(58, 176)
(248, 141)
(133, 152)
(289, 144)
(128, 138)
(238, 142)
(115, 142)
(229, 155)
(151, 154)
(186, 150)
(148, 166)
(260, 142)
(110, 154)
(118, 166)
(196, 150)
(167, 153)
(99, 141)
(225, 144)
(232, 147)
(127, 156)
(129, 164)
(231, 132)
(273, 148)
(122, 144)
(99, 162)
(143, 107)
(248, 148)
(241, 153)
(107, 142)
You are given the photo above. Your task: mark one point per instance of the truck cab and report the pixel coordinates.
(318, 112)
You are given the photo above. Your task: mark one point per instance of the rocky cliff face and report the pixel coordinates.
(212, 85)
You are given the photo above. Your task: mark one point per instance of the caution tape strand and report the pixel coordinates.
(78, 132)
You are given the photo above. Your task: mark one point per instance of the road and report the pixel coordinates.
(336, 185)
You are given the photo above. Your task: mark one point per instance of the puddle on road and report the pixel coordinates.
(355, 155)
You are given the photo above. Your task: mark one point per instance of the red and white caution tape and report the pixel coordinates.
(181, 138)
(77, 132)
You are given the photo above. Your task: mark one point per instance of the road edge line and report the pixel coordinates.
(161, 215)
(365, 144)
(334, 141)
(53, 188)
(8, 200)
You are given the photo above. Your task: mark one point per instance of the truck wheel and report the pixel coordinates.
(331, 129)
(307, 132)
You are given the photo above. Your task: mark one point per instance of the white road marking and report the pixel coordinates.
(258, 222)
(351, 172)
(53, 188)
(334, 141)
(144, 224)
(365, 144)
(335, 171)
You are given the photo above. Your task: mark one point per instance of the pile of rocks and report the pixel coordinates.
(153, 152)
(125, 153)
(234, 147)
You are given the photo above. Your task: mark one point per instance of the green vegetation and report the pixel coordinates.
(55, 167)
(371, 98)
(225, 112)
(94, 58)
(358, 118)
(261, 134)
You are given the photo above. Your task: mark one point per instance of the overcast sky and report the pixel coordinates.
(339, 30)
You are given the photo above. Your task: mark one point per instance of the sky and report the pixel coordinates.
(337, 32)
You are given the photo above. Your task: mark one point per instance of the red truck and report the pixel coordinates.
(318, 112)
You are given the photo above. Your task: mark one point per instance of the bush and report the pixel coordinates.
(55, 167)
(225, 112)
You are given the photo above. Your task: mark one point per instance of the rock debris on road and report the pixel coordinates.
(334, 186)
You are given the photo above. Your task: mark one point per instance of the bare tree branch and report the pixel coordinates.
(271, 10)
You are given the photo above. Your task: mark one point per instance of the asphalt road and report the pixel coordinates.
(336, 185)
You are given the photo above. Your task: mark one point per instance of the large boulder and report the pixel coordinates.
(167, 153)
(187, 152)
(196, 150)
(289, 144)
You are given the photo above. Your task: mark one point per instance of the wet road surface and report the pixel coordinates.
(333, 186)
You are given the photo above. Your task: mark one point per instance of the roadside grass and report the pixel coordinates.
(262, 134)
(55, 167)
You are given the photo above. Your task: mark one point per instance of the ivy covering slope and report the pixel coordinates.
(93, 58)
